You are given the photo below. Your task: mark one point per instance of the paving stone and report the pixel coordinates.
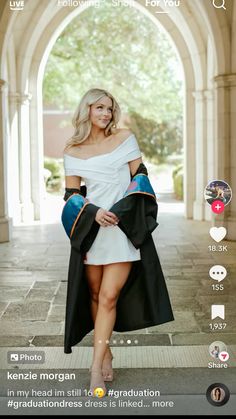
(55, 341)
(47, 275)
(35, 310)
(57, 313)
(134, 332)
(192, 255)
(62, 250)
(4, 265)
(196, 269)
(16, 282)
(41, 294)
(184, 322)
(177, 264)
(196, 276)
(208, 300)
(3, 305)
(184, 304)
(16, 341)
(180, 339)
(45, 285)
(28, 328)
(182, 291)
(57, 258)
(186, 248)
(179, 283)
(60, 297)
(42, 271)
(33, 264)
(51, 284)
(168, 251)
(11, 274)
(12, 293)
(170, 271)
(115, 341)
(11, 251)
(200, 262)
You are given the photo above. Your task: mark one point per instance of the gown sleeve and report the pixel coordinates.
(72, 168)
(131, 149)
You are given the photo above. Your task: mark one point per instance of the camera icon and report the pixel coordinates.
(14, 357)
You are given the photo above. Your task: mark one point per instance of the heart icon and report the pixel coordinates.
(218, 233)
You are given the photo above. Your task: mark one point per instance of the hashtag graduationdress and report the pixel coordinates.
(107, 177)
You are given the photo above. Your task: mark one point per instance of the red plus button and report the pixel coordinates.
(217, 207)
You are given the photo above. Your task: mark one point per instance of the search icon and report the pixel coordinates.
(221, 6)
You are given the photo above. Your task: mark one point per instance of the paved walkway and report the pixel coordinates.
(33, 280)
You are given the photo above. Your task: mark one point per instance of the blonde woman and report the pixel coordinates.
(109, 271)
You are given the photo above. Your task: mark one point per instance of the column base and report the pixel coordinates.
(208, 212)
(27, 212)
(199, 211)
(5, 229)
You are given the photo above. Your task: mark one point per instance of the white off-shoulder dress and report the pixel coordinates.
(107, 176)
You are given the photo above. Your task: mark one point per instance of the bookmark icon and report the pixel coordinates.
(217, 310)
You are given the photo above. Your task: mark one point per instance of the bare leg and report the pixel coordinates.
(113, 280)
(94, 277)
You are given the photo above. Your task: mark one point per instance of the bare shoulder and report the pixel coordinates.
(73, 151)
(123, 134)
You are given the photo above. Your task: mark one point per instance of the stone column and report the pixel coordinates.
(226, 146)
(13, 160)
(5, 221)
(27, 208)
(211, 146)
(201, 154)
(189, 157)
(38, 188)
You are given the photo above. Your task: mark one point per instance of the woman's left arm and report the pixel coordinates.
(134, 165)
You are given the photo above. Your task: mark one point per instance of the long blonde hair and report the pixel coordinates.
(81, 120)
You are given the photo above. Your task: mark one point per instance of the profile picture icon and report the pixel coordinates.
(218, 190)
(217, 394)
(216, 348)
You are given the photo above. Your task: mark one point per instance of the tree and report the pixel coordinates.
(121, 50)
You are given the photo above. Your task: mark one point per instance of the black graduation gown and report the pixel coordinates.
(144, 299)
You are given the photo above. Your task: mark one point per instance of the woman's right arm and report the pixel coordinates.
(72, 184)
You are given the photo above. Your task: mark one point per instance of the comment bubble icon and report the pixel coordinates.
(218, 272)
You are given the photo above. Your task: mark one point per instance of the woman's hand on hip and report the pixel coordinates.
(106, 218)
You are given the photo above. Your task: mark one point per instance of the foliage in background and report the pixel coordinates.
(54, 174)
(156, 140)
(121, 50)
(178, 177)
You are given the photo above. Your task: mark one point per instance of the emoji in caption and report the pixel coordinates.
(99, 392)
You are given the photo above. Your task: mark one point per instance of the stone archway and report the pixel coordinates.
(201, 37)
